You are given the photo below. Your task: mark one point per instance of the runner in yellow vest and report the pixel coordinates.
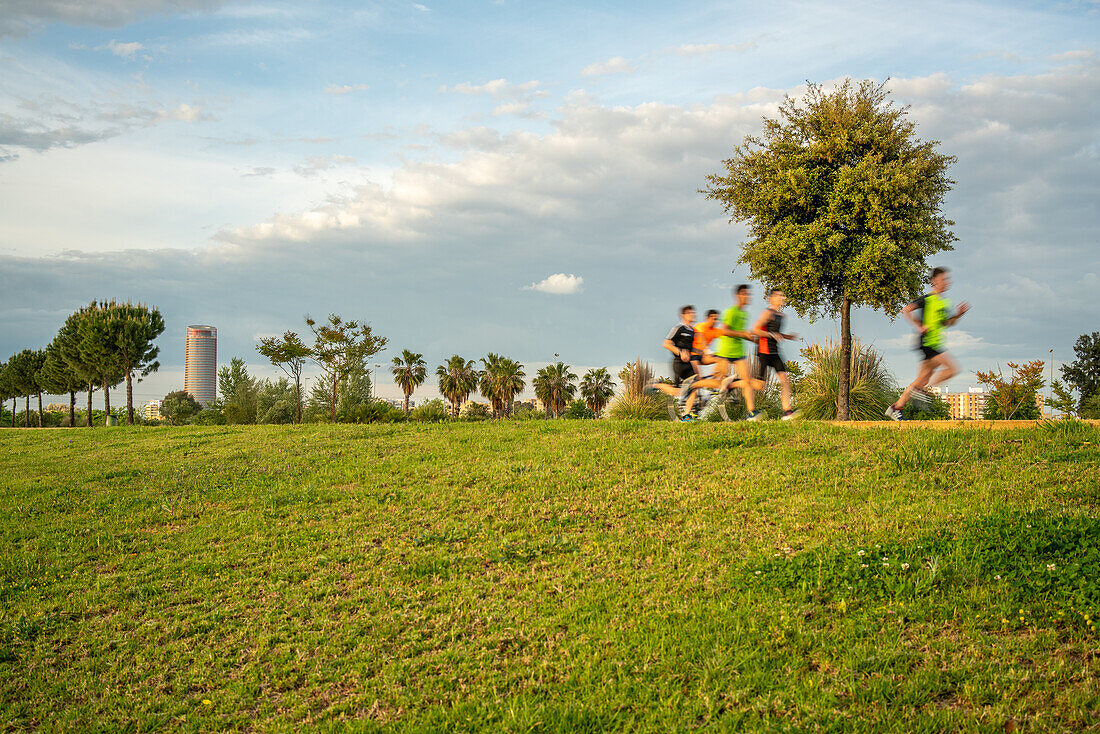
(936, 365)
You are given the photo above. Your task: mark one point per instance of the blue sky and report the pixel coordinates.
(442, 170)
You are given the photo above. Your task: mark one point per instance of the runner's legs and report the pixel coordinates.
(924, 373)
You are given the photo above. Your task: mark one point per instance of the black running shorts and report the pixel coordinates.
(928, 353)
(764, 361)
(681, 371)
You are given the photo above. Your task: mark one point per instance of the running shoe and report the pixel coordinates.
(756, 415)
(791, 415)
(689, 417)
(894, 414)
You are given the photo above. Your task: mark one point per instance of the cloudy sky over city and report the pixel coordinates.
(511, 176)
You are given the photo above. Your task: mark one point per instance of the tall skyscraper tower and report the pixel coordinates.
(200, 365)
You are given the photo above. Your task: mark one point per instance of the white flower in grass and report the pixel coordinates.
(1050, 566)
(861, 553)
(864, 566)
(997, 578)
(757, 573)
(905, 567)
(885, 563)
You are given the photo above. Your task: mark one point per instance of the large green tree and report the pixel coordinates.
(178, 406)
(68, 342)
(239, 392)
(288, 354)
(555, 387)
(1083, 373)
(98, 351)
(409, 372)
(58, 378)
(458, 377)
(500, 382)
(843, 205)
(340, 347)
(25, 367)
(131, 330)
(597, 389)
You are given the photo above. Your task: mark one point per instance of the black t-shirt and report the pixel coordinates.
(682, 336)
(774, 325)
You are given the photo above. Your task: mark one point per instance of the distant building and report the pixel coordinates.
(57, 407)
(400, 403)
(200, 365)
(970, 405)
(967, 405)
(152, 410)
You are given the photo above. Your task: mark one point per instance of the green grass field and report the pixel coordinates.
(550, 576)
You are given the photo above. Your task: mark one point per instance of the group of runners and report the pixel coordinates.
(690, 345)
(725, 340)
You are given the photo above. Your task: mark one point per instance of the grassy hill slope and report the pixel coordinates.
(549, 576)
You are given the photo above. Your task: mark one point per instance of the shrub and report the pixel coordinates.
(209, 417)
(872, 386)
(577, 410)
(433, 411)
(472, 411)
(375, 411)
(934, 410)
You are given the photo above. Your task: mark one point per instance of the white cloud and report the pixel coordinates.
(702, 49)
(498, 89)
(125, 50)
(558, 284)
(1076, 55)
(346, 88)
(614, 65)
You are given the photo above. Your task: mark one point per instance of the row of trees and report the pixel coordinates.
(98, 347)
(342, 349)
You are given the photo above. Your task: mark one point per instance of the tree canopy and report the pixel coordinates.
(288, 354)
(1083, 373)
(409, 372)
(340, 347)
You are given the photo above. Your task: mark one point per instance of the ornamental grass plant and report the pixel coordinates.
(873, 388)
(632, 403)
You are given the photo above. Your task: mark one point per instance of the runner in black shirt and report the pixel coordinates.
(679, 342)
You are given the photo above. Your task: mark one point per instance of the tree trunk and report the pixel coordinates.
(106, 401)
(406, 405)
(14, 405)
(90, 423)
(27, 411)
(40, 416)
(298, 396)
(129, 398)
(843, 383)
(72, 408)
(335, 382)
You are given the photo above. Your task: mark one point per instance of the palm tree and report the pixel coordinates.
(409, 372)
(554, 387)
(597, 389)
(457, 379)
(501, 380)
